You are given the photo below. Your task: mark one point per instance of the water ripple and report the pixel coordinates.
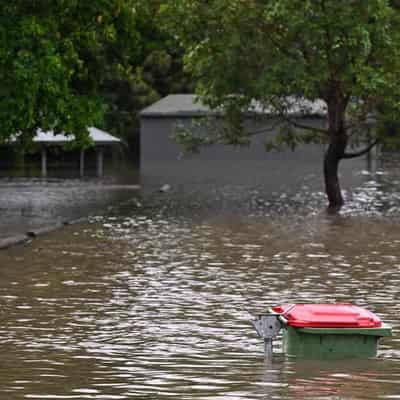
(149, 305)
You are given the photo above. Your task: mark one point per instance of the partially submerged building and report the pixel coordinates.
(163, 160)
(50, 156)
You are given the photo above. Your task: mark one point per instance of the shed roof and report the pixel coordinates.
(188, 105)
(184, 105)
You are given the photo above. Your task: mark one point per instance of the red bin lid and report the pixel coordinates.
(343, 315)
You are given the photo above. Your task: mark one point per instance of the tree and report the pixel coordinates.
(141, 74)
(345, 53)
(52, 55)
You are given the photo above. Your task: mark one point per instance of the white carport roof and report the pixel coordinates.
(98, 136)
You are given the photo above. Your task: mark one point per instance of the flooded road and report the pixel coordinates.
(29, 204)
(152, 302)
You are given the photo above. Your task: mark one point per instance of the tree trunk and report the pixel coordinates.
(336, 150)
(332, 186)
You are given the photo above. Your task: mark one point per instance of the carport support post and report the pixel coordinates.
(99, 162)
(44, 162)
(82, 163)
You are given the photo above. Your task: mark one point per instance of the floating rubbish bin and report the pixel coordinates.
(330, 331)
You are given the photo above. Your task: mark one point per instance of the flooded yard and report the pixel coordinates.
(152, 300)
(29, 204)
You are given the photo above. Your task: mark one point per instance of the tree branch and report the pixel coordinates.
(305, 127)
(294, 123)
(264, 129)
(361, 152)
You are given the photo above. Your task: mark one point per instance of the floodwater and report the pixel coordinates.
(153, 300)
(28, 204)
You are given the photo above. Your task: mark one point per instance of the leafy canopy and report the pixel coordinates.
(346, 53)
(52, 55)
(148, 68)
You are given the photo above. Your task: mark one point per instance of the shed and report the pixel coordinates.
(163, 160)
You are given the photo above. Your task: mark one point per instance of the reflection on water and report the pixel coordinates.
(153, 302)
(27, 204)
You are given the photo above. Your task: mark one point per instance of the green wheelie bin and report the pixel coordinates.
(330, 331)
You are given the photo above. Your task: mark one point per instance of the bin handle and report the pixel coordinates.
(283, 314)
(283, 319)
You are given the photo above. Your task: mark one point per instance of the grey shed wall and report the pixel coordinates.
(165, 161)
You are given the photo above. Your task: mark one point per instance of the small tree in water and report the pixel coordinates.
(345, 53)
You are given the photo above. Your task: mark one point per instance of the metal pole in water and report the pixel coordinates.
(268, 348)
(267, 327)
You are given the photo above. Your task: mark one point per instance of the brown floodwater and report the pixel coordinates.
(31, 204)
(153, 303)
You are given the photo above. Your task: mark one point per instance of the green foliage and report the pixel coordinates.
(290, 137)
(346, 53)
(389, 129)
(68, 64)
(51, 64)
(143, 73)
